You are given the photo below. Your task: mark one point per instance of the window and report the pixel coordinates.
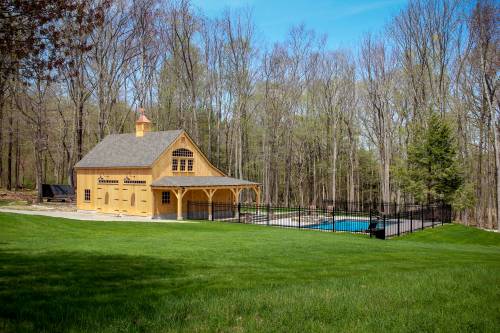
(129, 181)
(87, 195)
(182, 152)
(101, 180)
(106, 198)
(179, 165)
(165, 197)
(132, 200)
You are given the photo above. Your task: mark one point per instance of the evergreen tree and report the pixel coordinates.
(432, 171)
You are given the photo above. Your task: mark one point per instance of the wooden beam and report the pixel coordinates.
(257, 194)
(179, 193)
(210, 193)
(236, 192)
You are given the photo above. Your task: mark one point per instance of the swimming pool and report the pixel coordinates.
(342, 225)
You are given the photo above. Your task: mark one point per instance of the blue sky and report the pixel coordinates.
(344, 22)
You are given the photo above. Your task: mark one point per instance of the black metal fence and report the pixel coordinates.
(381, 220)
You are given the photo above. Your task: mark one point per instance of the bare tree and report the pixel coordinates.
(484, 36)
(110, 63)
(375, 66)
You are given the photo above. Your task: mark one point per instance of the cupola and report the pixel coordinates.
(142, 125)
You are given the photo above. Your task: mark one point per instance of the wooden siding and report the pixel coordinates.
(119, 195)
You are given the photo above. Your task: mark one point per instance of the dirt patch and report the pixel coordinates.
(19, 197)
(24, 199)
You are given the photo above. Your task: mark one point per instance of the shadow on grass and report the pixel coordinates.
(64, 290)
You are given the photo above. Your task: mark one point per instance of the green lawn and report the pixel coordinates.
(61, 275)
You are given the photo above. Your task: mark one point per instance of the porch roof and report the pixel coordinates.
(200, 181)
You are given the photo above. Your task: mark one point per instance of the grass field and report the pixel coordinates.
(60, 275)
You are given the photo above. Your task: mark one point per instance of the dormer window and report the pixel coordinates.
(182, 160)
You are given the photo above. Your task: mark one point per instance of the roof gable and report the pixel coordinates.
(205, 158)
(127, 150)
(202, 165)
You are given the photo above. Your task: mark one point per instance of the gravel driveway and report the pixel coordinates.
(89, 216)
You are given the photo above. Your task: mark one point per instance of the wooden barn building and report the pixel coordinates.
(152, 174)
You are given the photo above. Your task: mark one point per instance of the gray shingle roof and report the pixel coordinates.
(127, 150)
(188, 181)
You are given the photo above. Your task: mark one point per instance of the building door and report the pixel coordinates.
(143, 201)
(115, 200)
(100, 199)
(125, 201)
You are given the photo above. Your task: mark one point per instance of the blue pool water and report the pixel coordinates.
(342, 225)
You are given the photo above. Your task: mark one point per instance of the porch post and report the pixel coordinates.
(210, 194)
(257, 195)
(256, 189)
(179, 194)
(236, 192)
(179, 206)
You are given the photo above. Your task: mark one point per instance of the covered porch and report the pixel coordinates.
(171, 194)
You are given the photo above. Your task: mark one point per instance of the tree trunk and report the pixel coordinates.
(38, 174)
(9, 155)
(18, 157)
(497, 170)
(79, 132)
(334, 169)
(39, 162)
(2, 96)
(386, 191)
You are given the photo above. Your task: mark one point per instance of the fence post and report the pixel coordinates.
(212, 207)
(399, 223)
(268, 209)
(333, 219)
(442, 214)
(370, 225)
(299, 217)
(422, 216)
(432, 210)
(239, 212)
(384, 226)
(411, 221)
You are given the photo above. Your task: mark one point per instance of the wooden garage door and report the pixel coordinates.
(108, 199)
(100, 198)
(143, 200)
(125, 200)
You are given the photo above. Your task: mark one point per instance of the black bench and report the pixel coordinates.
(58, 192)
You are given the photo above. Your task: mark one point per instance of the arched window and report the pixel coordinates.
(182, 152)
(106, 198)
(182, 160)
(132, 200)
